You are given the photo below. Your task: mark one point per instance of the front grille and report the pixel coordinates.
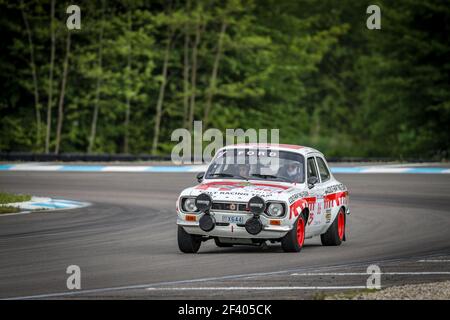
(229, 206)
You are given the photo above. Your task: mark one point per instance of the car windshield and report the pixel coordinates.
(251, 164)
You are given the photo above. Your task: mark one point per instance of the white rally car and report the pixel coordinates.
(253, 193)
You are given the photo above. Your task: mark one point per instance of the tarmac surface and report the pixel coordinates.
(125, 242)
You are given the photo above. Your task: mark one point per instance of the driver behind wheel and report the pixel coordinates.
(292, 172)
(244, 171)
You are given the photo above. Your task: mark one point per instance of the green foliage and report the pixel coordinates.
(310, 68)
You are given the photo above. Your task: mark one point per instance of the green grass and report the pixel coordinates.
(6, 198)
(10, 198)
(8, 209)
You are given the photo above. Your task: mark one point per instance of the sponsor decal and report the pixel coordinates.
(335, 199)
(328, 215)
(311, 217)
(297, 196)
(259, 153)
(335, 188)
(237, 189)
(311, 203)
(310, 200)
(296, 208)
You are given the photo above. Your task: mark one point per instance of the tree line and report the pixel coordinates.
(139, 69)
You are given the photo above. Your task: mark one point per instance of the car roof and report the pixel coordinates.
(285, 147)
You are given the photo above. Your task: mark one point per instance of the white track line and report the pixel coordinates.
(434, 260)
(368, 274)
(138, 286)
(252, 288)
(219, 278)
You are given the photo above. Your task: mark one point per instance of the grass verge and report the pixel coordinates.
(6, 198)
(10, 197)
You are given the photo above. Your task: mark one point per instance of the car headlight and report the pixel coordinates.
(275, 210)
(189, 205)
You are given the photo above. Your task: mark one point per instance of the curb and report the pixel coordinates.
(42, 204)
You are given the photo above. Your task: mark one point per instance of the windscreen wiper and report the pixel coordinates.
(271, 176)
(222, 174)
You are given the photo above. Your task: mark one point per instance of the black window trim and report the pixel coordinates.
(326, 166)
(315, 164)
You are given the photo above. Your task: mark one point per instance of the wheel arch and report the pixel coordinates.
(305, 213)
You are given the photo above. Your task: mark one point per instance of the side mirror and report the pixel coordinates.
(312, 181)
(200, 176)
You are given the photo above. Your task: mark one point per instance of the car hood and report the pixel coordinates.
(241, 190)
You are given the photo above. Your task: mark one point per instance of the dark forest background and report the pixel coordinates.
(137, 70)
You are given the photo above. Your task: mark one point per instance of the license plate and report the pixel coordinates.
(233, 219)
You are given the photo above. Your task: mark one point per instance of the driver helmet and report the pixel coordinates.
(243, 170)
(292, 169)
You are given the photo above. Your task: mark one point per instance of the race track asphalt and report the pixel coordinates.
(126, 241)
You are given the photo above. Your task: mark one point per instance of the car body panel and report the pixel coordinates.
(323, 201)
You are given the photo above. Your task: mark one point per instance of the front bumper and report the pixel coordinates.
(236, 231)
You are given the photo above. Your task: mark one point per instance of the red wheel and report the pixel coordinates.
(300, 231)
(341, 224)
(336, 232)
(294, 239)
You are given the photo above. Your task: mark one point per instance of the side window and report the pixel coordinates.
(312, 170)
(323, 170)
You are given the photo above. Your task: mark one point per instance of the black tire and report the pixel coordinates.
(186, 242)
(290, 242)
(332, 237)
(222, 245)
